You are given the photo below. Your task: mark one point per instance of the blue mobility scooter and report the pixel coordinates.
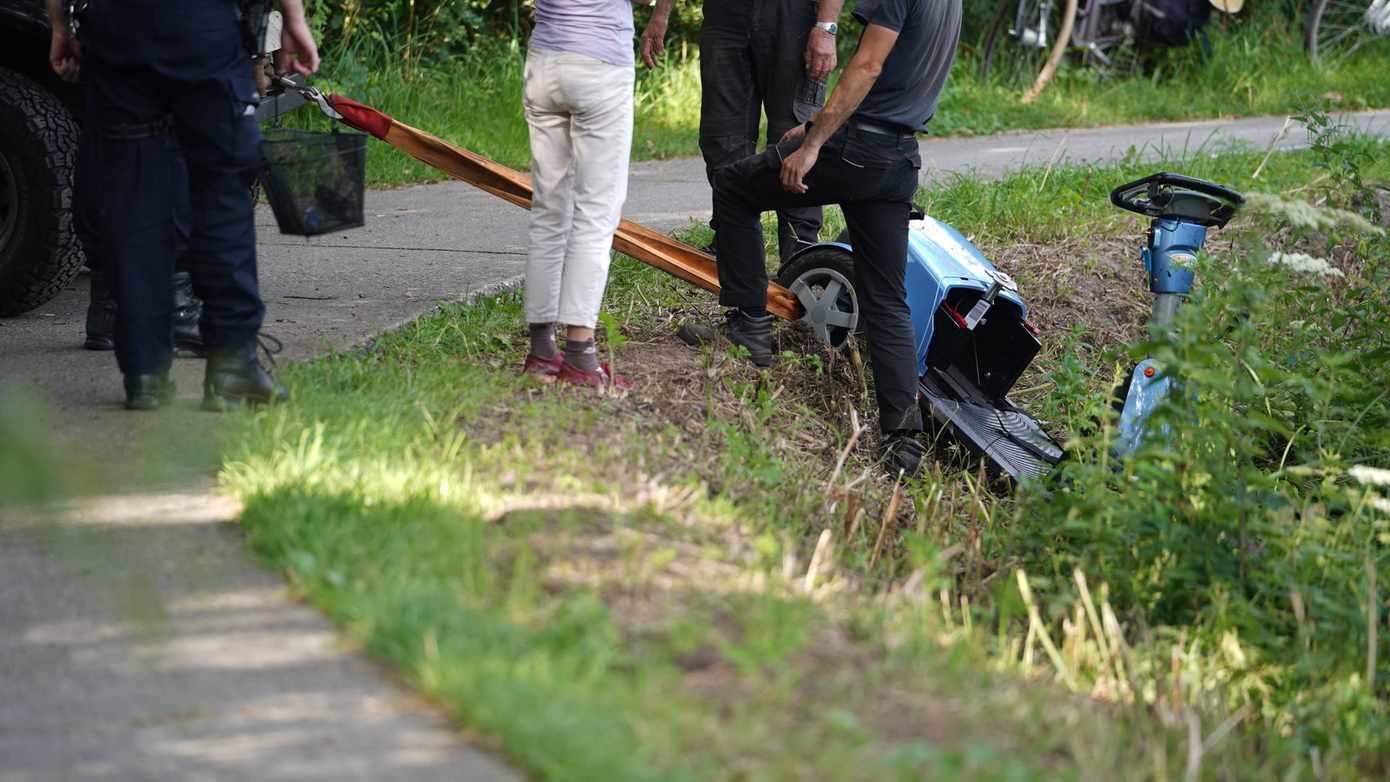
(971, 326)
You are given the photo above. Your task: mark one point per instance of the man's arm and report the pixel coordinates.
(863, 70)
(654, 36)
(820, 45)
(297, 48)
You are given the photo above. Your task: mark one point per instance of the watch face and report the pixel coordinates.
(829, 27)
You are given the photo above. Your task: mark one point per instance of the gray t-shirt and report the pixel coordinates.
(601, 29)
(909, 87)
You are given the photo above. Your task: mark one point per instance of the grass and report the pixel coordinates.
(681, 584)
(1256, 67)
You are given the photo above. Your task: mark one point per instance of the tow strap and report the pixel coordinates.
(646, 245)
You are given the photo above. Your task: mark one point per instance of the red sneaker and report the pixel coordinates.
(600, 378)
(542, 369)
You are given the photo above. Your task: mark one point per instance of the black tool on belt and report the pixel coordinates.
(253, 16)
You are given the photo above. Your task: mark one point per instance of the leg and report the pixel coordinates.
(552, 204)
(879, 232)
(780, 62)
(221, 149)
(729, 108)
(127, 194)
(602, 137)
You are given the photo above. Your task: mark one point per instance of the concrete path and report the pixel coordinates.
(137, 641)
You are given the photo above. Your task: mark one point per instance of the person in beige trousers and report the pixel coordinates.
(578, 102)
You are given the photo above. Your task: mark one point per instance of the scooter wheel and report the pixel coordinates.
(822, 280)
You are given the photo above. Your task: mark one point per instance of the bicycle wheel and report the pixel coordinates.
(1019, 40)
(1336, 29)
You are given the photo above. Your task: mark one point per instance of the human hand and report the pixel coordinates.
(820, 53)
(65, 54)
(298, 52)
(796, 133)
(653, 43)
(797, 165)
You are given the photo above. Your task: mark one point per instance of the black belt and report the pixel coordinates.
(881, 128)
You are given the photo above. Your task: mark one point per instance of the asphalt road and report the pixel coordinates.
(137, 641)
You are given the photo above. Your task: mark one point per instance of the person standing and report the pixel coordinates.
(160, 85)
(860, 152)
(578, 102)
(754, 55)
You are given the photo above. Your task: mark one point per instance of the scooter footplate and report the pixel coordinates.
(1010, 438)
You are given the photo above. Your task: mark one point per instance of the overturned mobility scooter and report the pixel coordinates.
(973, 337)
(971, 324)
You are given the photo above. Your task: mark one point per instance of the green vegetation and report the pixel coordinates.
(709, 578)
(461, 79)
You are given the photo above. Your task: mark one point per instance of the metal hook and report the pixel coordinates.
(311, 94)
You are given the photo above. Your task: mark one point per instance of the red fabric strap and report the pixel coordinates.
(363, 118)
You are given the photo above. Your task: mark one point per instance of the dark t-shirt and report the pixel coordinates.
(909, 87)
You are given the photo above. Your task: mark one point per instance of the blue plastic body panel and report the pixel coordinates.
(939, 260)
(1145, 394)
(1173, 237)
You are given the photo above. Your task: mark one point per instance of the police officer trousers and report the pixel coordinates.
(164, 80)
(752, 57)
(872, 175)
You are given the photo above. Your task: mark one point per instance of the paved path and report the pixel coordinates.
(136, 639)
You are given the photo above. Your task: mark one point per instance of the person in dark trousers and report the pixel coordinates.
(753, 56)
(859, 152)
(161, 85)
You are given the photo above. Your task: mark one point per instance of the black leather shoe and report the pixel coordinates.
(236, 378)
(148, 392)
(101, 317)
(903, 452)
(188, 309)
(753, 333)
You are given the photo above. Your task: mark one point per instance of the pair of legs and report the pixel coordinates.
(752, 58)
(873, 176)
(579, 110)
(173, 148)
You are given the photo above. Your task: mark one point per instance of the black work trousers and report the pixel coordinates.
(165, 91)
(873, 177)
(752, 57)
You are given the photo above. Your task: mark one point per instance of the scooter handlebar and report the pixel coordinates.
(1127, 196)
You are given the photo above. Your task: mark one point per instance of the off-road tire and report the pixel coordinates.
(38, 143)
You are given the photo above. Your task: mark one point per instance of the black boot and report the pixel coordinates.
(101, 316)
(236, 377)
(903, 452)
(148, 392)
(188, 309)
(753, 333)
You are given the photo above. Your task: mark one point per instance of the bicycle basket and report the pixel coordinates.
(314, 181)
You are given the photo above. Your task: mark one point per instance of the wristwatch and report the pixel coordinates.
(829, 27)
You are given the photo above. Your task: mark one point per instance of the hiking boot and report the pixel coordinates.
(542, 369)
(236, 377)
(903, 452)
(148, 392)
(753, 333)
(188, 310)
(602, 378)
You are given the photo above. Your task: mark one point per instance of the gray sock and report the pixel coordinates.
(582, 355)
(543, 340)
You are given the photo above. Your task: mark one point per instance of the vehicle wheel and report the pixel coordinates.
(39, 252)
(1020, 38)
(822, 280)
(1336, 29)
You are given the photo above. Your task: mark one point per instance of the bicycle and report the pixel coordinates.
(1338, 28)
(1022, 34)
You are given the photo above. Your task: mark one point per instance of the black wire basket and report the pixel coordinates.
(314, 181)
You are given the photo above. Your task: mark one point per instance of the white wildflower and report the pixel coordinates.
(1302, 214)
(1305, 264)
(1380, 503)
(1370, 476)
